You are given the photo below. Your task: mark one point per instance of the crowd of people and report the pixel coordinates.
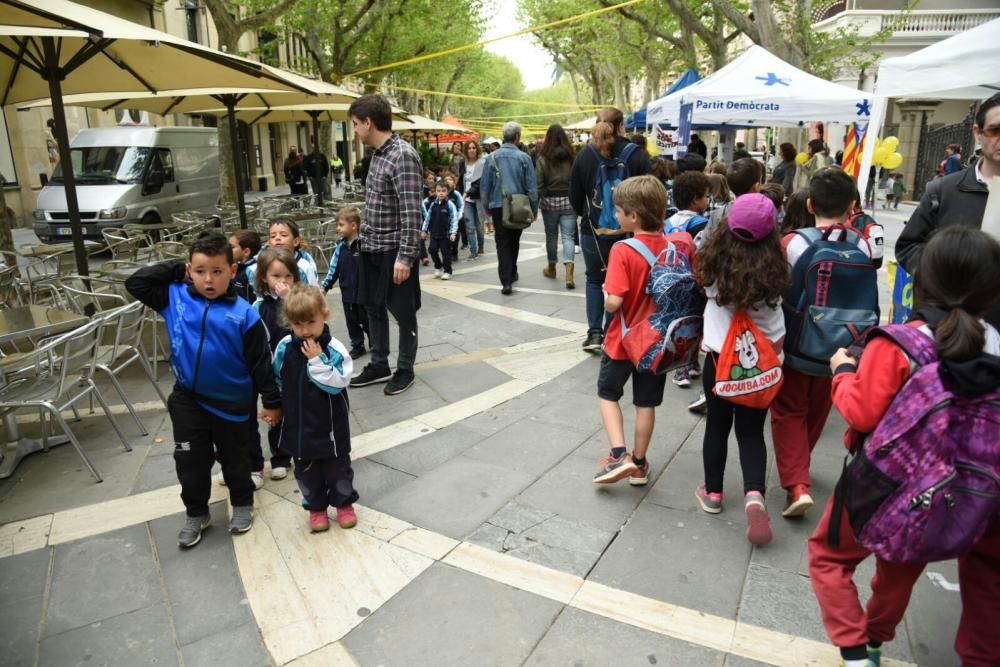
(771, 281)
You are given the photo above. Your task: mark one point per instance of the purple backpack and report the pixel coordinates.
(925, 485)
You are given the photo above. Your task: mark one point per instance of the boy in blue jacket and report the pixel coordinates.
(344, 270)
(313, 371)
(221, 362)
(441, 226)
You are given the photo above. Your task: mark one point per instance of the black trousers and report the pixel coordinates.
(356, 318)
(326, 482)
(749, 437)
(278, 458)
(508, 246)
(441, 253)
(381, 297)
(198, 437)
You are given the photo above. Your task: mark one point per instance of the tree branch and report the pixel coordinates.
(742, 22)
(266, 17)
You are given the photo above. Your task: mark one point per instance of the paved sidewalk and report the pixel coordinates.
(481, 538)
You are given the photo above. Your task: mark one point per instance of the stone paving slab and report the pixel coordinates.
(19, 634)
(101, 577)
(580, 639)
(427, 453)
(498, 625)
(139, 637)
(455, 498)
(527, 446)
(372, 480)
(679, 557)
(237, 646)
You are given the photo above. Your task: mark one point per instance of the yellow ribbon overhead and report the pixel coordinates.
(547, 114)
(559, 105)
(526, 31)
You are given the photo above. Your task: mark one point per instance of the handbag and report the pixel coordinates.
(474, 192)
(517, 212)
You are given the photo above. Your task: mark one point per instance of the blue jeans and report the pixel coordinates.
(595, 257)
(556, 221)
(474, 228)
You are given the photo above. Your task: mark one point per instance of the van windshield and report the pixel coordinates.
(104, 165)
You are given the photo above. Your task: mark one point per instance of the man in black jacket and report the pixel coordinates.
(959, 198)
(318, 171)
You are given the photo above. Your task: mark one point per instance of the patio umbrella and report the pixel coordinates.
(49, 48)
(197, 100)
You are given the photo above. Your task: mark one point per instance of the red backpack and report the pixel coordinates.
(748, 371)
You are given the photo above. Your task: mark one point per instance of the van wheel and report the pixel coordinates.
(150, 219)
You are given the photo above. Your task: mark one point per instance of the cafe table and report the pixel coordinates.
(19, 324)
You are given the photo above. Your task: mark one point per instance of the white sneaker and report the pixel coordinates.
(258, 479)
(576, 250)
(437, 273)
(279, 473)
(219, 478)
(446, 276)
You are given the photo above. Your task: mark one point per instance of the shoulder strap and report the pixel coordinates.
(496, 168)
(641, 248)
(809, 234)
(627, 153)
(915, 343)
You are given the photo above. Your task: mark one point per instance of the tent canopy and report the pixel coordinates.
(585, 125)
(639, 119)
(759, 89)
(965, 67)
(425, 125)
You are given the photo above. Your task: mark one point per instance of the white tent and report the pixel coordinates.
(585, 125)
(963, 67)
(760, 89)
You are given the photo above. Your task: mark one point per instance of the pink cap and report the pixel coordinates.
(752, 217)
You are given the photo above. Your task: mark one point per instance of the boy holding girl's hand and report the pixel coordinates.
(221, 362)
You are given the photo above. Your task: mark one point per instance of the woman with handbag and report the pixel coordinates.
(473, 222)
(508, 188)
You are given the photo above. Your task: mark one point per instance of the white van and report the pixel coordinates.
(130, 175)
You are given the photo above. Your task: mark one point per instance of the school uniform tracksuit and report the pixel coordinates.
(440, 223)
(344, 266)
(315, 428)
(268, 307)
(221, 361)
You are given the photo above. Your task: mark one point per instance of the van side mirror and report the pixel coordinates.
(154, 182)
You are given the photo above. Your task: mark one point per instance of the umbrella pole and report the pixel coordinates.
(237, 161)
(62, 141)
(315, 128)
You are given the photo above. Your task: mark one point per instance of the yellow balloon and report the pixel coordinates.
(892, 161)
(652, 149)
(881, 153)
(802, 158)
(891, 144)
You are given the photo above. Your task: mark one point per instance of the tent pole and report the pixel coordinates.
(54, 75)
(230, 101)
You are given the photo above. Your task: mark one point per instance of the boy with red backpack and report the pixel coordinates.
(641, 206)
(832, 300)
(921, 406)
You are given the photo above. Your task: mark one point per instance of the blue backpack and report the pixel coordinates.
(610, 172)
(833, 300)
(668, 329)
(693, 226)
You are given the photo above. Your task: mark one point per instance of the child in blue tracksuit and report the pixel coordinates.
(441, 227)
(246, 247)
(344, 270)
(313, 371)
(221, 362)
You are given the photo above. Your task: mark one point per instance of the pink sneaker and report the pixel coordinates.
(346, 516)
(319, 521)
(758, 521)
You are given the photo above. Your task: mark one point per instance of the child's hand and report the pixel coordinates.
(423, 235)
(310, 348)
(841, 357)
(271, 416)
(451, 238)
(281, 289)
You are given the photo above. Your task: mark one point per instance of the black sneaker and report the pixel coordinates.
(399, 383)
(516, 277)
(370, 375)
(358, 352)
(593, 342)
(506, 289)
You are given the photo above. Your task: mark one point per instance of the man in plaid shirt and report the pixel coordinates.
(388, 280)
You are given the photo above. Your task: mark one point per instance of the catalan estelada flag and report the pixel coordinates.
(854, 146)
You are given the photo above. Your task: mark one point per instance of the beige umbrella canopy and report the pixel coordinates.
(52, 47)
(426, 125)
(292, 113)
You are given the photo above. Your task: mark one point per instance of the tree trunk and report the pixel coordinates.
(6, 222)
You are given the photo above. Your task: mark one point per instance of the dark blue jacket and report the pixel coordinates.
(314, 398)
(441, 219)
(344, 266)
(218, 347)
(268, 307)
(243, 283)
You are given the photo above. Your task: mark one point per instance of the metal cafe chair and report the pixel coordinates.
(64, 374)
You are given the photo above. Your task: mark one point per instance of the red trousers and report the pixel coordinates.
(798, 416)
(848, 624)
